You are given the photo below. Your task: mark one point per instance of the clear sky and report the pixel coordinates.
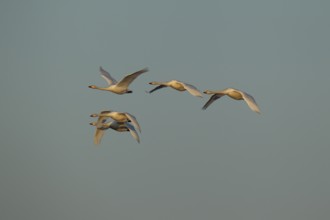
(223, 163)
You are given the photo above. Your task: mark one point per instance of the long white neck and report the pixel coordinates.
(157, 83)
(101, 88)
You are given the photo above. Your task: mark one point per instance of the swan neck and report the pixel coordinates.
(101, 88)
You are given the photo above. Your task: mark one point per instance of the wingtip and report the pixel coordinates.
(257, 110)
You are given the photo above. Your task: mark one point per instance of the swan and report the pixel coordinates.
(180, 86)
(234, 94)
(120, 87)
(117, 116)
(117, 126)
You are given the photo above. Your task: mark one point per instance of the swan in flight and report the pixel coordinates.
(117, 116)
(120, 87)
(117, 126)
(180, 86)
(234, 94)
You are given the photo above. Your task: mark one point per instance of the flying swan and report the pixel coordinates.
(177, 85)
(234, 94)
(120, 87)
(117, 116)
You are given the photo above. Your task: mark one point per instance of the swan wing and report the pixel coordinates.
(133, 132)
(105, 75)
(251, 102)
(129, 78)
(98, 136)
(117, 126)
(156, 88)
(192, 89)
(211, 100)
(133, 120)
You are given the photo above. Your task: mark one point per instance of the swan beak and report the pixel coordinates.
(93, 115)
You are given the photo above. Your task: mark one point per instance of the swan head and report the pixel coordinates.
(93, 123)
(92, 87)
(208, 92)
(94, 115)
(153, 83)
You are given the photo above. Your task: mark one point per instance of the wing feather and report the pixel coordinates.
(211, 100)
(133, 132)
(133, 120)
(129, 78)
(251, 102)
(98, 136)
(105, 75)
(192, 90)
(156, 88)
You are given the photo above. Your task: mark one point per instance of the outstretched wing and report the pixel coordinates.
(156, 88)
(192, 90)
(251, 102)
(133, 120)
(133, 132)
(211, 100)
(105, 75)
(98, 136)
(129, 78)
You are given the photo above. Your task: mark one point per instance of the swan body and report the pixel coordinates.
(120, 87)
(117, 126)
(234, 94)
(117, 116)
(177, 85)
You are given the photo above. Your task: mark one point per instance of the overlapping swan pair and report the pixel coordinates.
(122, 119)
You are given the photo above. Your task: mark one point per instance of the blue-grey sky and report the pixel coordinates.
(223, 163)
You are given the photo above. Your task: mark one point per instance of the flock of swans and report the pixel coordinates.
(125, 122)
